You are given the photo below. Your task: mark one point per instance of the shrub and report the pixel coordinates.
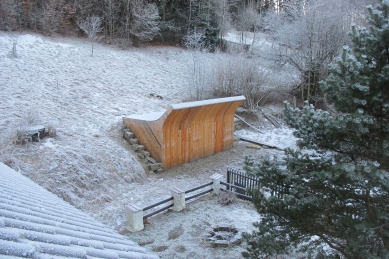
(241, 76)
(51, 131)
(226, 198)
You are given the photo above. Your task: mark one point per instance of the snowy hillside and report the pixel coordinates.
(54, 82)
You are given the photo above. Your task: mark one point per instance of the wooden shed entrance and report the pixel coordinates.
(187, 131)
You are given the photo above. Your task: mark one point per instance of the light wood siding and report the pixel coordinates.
(187, 132)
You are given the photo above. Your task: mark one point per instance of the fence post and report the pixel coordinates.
(228, 177)
(14, 50)
(178, 199)
(134, 218)
(216, 178)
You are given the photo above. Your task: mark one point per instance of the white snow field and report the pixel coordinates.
(53, 81)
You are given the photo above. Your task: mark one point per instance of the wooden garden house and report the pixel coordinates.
(187, 131)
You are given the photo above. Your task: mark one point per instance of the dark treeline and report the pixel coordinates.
(129, 21)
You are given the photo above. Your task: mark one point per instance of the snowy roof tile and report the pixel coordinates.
(35, 223)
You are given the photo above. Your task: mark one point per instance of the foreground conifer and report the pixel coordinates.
(334, 204)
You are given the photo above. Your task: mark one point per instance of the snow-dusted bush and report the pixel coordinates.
(241, 76)
(226, 198)
(51, 131)
(19, 132)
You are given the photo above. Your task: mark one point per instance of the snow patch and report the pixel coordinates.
(279, 137)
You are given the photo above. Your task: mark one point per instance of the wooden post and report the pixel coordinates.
(14, 50)
(216, 178)
(294, 101)
(178, 199)
(134, 218)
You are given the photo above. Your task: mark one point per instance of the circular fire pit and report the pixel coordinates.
(224, 235)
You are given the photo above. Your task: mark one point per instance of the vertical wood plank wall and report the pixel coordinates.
(189, 131)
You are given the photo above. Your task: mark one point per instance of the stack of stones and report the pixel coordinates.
(224, 235)
(143, 154)
(238, 124)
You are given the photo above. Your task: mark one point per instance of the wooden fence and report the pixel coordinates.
(237, 182)
(177, 202)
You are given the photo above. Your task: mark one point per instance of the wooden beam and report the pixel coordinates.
(258, 143)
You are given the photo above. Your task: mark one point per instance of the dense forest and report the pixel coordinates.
(129, 19)
(135, 21)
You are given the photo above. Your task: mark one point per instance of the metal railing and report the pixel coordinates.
(233, 189)
(198, 188)
(239, 183)
(159, 210)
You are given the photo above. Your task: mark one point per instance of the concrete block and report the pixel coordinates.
(134, 218)
(216, 185)
(178, 199)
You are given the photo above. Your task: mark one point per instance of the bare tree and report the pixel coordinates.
(249, 20)
(194, 41)
(144, 25)
(91, 26)
(309, 35)
(126, 22)
(110, 9)
(223, 15)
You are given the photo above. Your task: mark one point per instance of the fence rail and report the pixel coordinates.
(244, 197)
(198, 194)
(198, 187)
(158, 203)
(159, 210)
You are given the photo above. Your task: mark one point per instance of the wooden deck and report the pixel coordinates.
(187, 131)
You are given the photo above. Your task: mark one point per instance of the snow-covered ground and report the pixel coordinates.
(55, 82)
(258, 39)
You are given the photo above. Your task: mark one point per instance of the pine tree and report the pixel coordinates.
(336, 204)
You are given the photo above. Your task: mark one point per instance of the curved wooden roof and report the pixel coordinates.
(187, 131)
